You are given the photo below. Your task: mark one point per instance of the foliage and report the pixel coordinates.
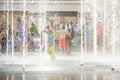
(33, 29)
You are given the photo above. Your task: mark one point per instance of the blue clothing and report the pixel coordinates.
(87, 35)
(20, 32)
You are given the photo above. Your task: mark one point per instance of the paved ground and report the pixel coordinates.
(74, 62)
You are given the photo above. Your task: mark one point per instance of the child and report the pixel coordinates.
(62, 40)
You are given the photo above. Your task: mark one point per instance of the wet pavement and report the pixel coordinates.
(35, 66)
(60, 76)
(63, 63)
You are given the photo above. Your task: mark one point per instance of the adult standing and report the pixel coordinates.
(19, 32)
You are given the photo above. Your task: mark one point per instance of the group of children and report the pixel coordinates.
(59, 36)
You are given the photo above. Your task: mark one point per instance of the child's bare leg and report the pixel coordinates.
(21, 48)
(64, 50)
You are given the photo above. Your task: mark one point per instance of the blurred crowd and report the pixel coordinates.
(62, 37)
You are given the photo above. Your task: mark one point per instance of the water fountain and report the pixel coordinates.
(12, 28)
(24, 29)
(95, 32)
(113, 32)
(81, 38)
(104, 32)
(7, 25)
(83, 57)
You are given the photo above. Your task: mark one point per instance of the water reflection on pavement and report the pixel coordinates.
(59, 76)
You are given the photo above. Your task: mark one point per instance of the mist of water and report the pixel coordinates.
(42, 24)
